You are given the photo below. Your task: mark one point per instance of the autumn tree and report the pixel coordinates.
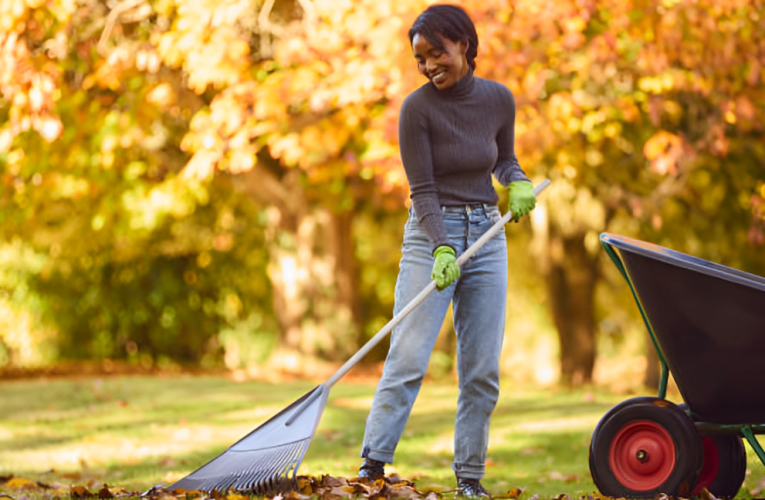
(642, 111)
(257, 135)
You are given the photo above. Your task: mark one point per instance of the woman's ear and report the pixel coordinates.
(464, 44)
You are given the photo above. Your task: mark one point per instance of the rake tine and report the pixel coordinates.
(288, 459)
(221, 485)
(245, 481)
(304, 449)
(225, 482)
(275, 473)
(294, 453)
(260, 479)
(297, 455)
(247, 475)
(251, 479)
(275, 459)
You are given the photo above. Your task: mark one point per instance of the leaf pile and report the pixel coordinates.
(325, 487)
(25, 489)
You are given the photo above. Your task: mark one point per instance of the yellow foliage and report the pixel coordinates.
(660, 144)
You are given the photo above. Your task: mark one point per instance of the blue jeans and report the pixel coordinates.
(478, 298)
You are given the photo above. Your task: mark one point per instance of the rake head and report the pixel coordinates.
(266, 460)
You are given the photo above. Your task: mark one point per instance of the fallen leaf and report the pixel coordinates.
(330, 481)
(707, 495)
(294, 495)
(80, 492)
(20, 483)
(104, 492)
(236, 496)
(341, 491)
(512, 494)
(396, 479)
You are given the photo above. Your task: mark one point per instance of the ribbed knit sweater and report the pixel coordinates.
(451, 142)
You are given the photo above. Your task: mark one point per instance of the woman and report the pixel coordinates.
(454, 132)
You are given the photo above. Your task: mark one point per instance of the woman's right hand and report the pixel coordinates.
(445, 268)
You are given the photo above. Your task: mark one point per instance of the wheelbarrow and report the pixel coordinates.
(707, 323)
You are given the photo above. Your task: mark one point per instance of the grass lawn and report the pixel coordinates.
(137, 432)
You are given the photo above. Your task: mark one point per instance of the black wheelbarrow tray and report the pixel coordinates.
(707, 323)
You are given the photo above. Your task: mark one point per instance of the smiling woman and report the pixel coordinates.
(455, 132)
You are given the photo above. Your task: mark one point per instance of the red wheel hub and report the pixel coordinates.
(642, 455)
(711, 465)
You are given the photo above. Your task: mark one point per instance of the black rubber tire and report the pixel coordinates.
(653, 418)
(731, 465)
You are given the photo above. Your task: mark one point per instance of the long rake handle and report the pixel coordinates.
(371, 343)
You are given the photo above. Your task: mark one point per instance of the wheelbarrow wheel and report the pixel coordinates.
(724, 466)
(644, 447)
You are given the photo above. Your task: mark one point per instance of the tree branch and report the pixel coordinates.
(112, 19)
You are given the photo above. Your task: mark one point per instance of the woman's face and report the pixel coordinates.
(442, 67)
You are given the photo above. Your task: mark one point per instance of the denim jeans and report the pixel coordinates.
(478, 298)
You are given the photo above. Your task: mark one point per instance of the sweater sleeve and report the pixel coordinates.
(507, 169)
(414, 141)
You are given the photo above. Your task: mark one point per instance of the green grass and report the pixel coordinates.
(137, 432)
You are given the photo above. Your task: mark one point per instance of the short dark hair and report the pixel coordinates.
(449, 21)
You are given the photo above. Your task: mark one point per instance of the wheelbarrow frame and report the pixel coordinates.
(746, 430)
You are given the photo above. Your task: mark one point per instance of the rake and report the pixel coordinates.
(266, 460)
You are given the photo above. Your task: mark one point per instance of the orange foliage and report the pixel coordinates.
(328, 79)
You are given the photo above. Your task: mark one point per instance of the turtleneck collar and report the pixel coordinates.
(460, 89)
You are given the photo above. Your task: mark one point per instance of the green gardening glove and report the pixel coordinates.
(522, 199)
(445, 269)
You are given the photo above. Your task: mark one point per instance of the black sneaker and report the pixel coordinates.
(372, 469)
(471, 488)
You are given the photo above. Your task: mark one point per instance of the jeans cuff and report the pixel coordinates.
(468, 471)
(379, 455)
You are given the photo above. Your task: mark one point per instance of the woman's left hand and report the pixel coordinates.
(522, 199)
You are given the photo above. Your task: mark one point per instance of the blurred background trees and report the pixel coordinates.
(217, 183)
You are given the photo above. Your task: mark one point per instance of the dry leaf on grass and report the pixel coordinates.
(80, 492)
(512, 494)
(19, 483)
(104, 492)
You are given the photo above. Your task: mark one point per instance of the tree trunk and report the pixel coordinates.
(653, 366)
(571, 289)
(312, 271)
(566, 248)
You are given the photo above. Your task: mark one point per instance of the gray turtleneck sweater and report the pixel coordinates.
(451, 142)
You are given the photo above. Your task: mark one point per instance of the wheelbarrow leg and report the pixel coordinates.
(749, 435)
